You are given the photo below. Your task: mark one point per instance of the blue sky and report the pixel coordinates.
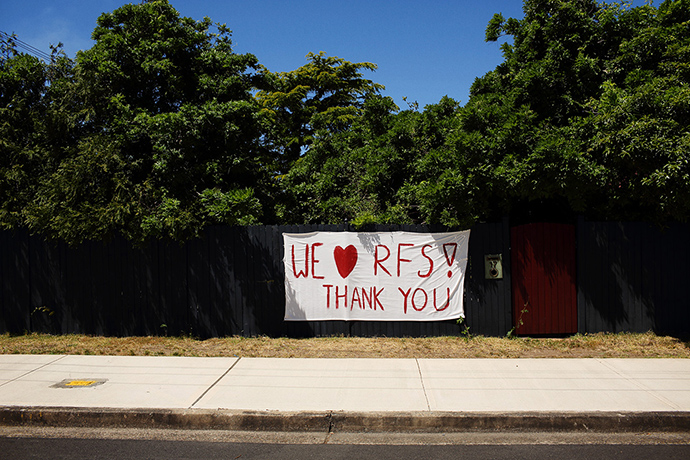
(424, 49)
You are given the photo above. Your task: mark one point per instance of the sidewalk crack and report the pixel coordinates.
(33, 370)
(421, 380)
(641, 386)
(215, 383)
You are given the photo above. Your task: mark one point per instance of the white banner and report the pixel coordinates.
(391, 276)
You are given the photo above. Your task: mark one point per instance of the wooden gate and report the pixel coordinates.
(543, 274)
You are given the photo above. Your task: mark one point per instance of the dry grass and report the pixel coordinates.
(623, 345)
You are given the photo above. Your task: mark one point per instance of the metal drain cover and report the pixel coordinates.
(79, 383)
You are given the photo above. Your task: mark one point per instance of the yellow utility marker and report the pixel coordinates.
(79, 383)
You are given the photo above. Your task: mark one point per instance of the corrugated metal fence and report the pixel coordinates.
(230, 282)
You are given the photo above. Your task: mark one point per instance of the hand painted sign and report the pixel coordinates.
(394, 276)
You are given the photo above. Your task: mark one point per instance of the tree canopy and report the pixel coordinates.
(590, 107)
(166, 133)
(326, 93)
(586, 115)
(161, 128)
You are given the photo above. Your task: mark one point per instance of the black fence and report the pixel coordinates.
(631, 277)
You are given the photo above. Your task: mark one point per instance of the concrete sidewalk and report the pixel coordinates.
(346, 394)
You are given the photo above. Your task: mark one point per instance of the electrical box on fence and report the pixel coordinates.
(493, 266)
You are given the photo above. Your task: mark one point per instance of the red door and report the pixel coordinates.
(543, 274)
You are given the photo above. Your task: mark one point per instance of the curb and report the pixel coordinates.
(375, 422)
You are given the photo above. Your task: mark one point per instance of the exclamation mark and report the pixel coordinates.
(450, 258)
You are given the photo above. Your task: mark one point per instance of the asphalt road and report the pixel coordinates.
(29, 448)
(23, 443)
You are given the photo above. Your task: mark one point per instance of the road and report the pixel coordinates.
(51, 443)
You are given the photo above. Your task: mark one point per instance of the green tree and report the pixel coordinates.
(155, 131)
(168, 133)
(587, 112)
(523, 113)
(326, 93)
(382, 169)
(640, 121)
(33, 127)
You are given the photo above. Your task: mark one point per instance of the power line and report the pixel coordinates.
(25, 47)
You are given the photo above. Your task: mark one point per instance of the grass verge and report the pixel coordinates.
(621, 345)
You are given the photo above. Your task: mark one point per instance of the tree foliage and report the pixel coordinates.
(326, 93)
(33, 126)
(168, 133)
(588, 108)
(383, 169)
(161, 129)
(587, 114)
(640, 120)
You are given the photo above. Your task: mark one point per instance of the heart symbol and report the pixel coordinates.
(345, 259)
